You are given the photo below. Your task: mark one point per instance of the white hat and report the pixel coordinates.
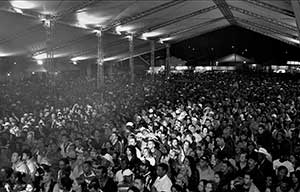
(129, 124)
(127, 172)
(108, 157)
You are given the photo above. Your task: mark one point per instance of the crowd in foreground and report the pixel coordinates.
(213, 132)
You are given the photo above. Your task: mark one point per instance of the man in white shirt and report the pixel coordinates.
(282, 161)
(30, 163)
(17, 164)
(162, 182)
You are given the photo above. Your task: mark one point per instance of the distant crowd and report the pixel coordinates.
(207, 132)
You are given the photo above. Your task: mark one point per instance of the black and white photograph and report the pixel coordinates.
(149, 95)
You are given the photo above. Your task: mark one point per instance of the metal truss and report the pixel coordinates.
(267, 19)
(266, 33)
(143, 14)
(194, 27)
(265, 28)
(178, 19)
(224, 8)
(262, 4)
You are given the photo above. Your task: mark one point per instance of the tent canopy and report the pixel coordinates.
(234, 58)
(22, 31)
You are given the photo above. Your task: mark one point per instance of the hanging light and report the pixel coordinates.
(40, 62)
(23, 4)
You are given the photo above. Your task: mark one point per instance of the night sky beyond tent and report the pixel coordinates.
(233, 39)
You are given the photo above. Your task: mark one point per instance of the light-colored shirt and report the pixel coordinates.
(287, 164)
(163, 184)
(20, 167)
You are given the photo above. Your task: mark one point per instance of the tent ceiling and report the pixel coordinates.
(22, 31)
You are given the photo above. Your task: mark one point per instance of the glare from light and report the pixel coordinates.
(244, 62)
(162, 40)
(150, 34)
(292, 40)
(75, 62)
(40, 62)
(15, 63)
(17, 10)
(79, 58)
(88, 19)
(8, 74)
(119, 29)
(144, 38)
(33, 73)
(23, 4)
(293, 62)
(40, 56)
(110, 59)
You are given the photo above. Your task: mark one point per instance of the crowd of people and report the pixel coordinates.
(208, 132)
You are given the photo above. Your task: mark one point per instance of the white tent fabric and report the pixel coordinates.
(234, 58)
(177, 62)
(22, 31)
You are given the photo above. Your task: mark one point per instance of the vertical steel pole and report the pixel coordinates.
(168, 60)
(152, 60)
(100, 71)
(131, 58)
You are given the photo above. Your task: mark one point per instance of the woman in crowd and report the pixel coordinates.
(190, 133)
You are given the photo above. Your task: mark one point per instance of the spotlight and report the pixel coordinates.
(40, 62)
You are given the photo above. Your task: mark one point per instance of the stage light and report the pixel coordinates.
(40, 56)
(88, 19)
(8, 74)
(79, 58)
(110, 59)
(23, 4)
(162, 40)
(75, 62)
(150, 34)
(119, 29)
(40, 62)
(17, 10)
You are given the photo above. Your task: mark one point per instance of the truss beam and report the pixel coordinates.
(64, 44)
(74, 9)
(144, 14)
(224, 8)
(194, 27)
(296, 8)
(178, 19)
(262, 4)
(266, 28)
(266, 19)
(201, 33)
(266, 33)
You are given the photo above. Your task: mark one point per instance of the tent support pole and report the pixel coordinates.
(100, 71)
(168, 60)
(152, 44)
(131, 58)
